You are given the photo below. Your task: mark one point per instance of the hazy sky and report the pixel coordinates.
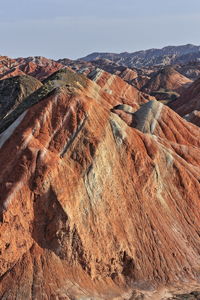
(74, 28)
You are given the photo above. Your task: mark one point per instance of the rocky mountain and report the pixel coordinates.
(122, 91)
(143, 78)
(167, 79)
(14, 90)
(188, 104)
(78, 66)
(99, 195)
(6, 65)
(190, 70)
(166, 84)
(165, 56)
(163, 83)
(109, 66)
(36, 66)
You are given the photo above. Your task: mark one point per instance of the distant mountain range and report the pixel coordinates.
(146, 58)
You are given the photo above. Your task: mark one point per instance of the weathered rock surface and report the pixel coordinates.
(166, 56)
(188, 104)
(13, 72)
(190, 70)
(95, 205)
(6, 64)
(60, 78)
(14, 90)
(167, 79)
(114, 68)
(118, 89)
(38, 66)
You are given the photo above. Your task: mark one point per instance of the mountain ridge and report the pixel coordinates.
(147, 57)
(99, 188)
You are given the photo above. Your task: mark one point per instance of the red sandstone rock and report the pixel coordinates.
(12, 73)
(38, 67)
(93, 206)
(6, 64)
(128, 75)
(167, 79)
(141, 81)
(188, 104)
(118, 89)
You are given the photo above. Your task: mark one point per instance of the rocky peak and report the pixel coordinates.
(98, 207)
(14, 90)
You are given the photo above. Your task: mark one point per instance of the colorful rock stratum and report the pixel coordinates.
(100, 194)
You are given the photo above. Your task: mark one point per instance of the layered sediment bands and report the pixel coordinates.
(167, 79)
(96, 207)
(188, 104)
(118, 89)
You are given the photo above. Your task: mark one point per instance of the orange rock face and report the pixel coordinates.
(118, 89)
(99, 200)
(168, 79)
(37, 66)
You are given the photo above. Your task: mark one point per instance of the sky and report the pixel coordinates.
(75, 28)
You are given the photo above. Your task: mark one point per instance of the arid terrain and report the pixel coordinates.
(100, 176)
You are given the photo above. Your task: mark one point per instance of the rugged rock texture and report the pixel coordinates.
(38, 66)
(188, 104)
(109, 66)
(193, 117)
(167, 79)
(100, 205)
(165, 56)
(140, 81)
(60, 78)
(6, 64)
(78, 66)
(11, 73)
(121, 91)
(190, 70)
(14, 90)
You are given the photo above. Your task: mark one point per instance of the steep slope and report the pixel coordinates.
(38, 66)
(118, 89)
(13, 72)
(98, 207)
(79, 66)
(58, 79)
(14, 90)
(114, 88)
(109, 66)
(190, 70)
(167, 79)
(188, 104)
(6, 63)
